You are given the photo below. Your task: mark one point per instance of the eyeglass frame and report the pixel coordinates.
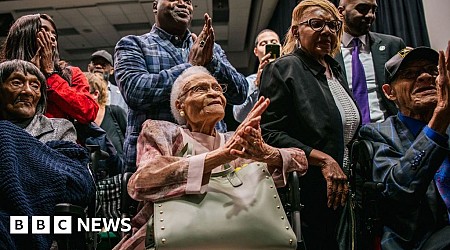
(308, 22)
(222, 86)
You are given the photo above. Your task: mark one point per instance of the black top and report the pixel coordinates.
(115, 125)
(303, 114)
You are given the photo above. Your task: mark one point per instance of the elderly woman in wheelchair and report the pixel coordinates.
(23, 101)
(40, 165)
(178, 160)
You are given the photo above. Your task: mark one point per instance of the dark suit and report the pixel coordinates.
(303, 114)
(380, 56)
(412, 208)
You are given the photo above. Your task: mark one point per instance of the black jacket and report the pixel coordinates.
(303, 114)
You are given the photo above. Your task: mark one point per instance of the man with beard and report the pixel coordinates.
(363, 56)
(411, 151)
(102, 63)
(147, 65)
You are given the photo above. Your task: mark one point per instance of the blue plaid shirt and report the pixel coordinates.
(146, 67)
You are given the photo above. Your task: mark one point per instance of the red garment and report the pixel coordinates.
(70, 102)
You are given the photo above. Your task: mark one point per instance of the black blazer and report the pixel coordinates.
(302, 112)
(383, 47)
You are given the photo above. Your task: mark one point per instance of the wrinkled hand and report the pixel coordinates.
(441, 115)
(262, 64)
(202, 50)
(337, 186)
(252, 120)
(255, 148)
(46, 48)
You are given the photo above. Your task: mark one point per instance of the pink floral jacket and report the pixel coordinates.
(163, 174)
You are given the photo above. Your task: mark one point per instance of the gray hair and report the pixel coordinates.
(11, 66)
(178, 86)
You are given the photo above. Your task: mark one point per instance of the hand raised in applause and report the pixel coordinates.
(441, 116)
(248, 130)
(202, 50)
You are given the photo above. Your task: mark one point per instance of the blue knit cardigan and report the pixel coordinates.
(34, 177)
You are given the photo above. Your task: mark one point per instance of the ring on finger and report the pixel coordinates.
(202, 43)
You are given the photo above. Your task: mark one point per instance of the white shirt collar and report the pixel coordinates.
(347, 40)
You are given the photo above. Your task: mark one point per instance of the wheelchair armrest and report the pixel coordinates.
(362, 158)
(368, 192)
(70, 209)
(75, 240)
(295, 206)
(128, 205)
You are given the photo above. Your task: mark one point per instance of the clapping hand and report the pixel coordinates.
(202, 50)
(441, 116)
(247, 141)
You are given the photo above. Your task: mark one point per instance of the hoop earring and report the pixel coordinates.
(297, 43)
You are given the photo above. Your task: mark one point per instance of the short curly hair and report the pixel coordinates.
(178, 86)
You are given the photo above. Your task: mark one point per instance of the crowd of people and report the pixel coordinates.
(157, 107)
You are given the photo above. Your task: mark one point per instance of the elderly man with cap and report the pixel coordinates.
(411, 151)
(102, 63)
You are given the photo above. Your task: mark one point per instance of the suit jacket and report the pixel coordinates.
(51, 129)
(412, 208)
(303, 114)
(382, 47)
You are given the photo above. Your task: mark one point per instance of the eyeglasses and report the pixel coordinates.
(203, 88)
(413, 72)
(319, 24)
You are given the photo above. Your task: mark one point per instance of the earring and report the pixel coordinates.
(181, 113)
(298, 44)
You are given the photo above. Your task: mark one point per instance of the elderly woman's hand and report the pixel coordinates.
(256, 149)
(252, 120)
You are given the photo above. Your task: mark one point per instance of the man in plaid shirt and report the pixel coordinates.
(147, 65)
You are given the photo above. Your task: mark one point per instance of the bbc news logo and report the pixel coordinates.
(63, 225)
